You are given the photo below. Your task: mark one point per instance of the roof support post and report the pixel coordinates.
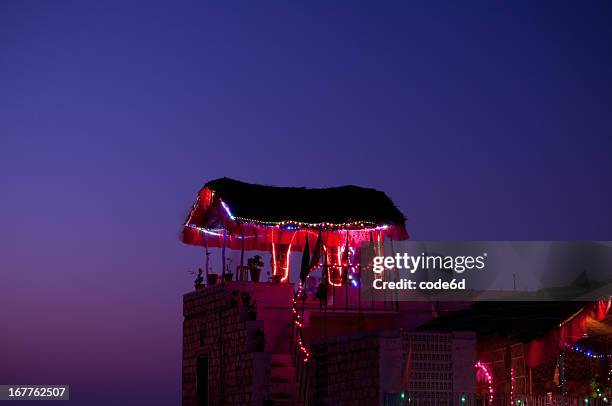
(223, 254)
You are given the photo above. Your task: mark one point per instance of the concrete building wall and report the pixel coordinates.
(463, 350)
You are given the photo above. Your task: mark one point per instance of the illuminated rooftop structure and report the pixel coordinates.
(237, 215)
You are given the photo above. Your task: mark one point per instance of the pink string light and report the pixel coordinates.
(299, 324)
(485, 370)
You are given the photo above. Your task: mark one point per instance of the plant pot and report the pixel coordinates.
(260, 340)
(199, 286)
(228, 276)
(276, 278)
(255, 274)
(212, 279)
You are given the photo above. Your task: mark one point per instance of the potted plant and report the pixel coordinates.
(255, 264)
(321, 293)
(211, 279)
(228, 276)
(198, 280)
(252, 311)
(260, 340)
(249, 305)
(234, 299)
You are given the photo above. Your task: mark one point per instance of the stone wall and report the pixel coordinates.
(216, 327)
(368, 368)
(354, 370)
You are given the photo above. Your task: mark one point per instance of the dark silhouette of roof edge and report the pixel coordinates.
(341, 204)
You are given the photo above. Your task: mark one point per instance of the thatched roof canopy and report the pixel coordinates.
(337, 205)
(238, 214)
(545, 328)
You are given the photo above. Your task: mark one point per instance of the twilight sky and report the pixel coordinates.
(486, 120)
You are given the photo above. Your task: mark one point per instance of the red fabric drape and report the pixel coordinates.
(543, 349)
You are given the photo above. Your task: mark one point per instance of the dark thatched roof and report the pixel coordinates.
(334, 205)
(522, 321)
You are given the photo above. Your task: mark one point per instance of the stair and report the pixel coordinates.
(277, 325)
(283, 385)
(282, 373)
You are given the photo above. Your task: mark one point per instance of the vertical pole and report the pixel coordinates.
(221, 351)
(325, 278)
(304, 298)
(346, 290)
(325, 317)
(241, 247)
(207, 265)
(530, 383)
(373, 275)
(396, 278)
(359, 282)
(385, 273)
(334, 297)
(223, 255)
(385, 278)
(243, 274)
(346, 271)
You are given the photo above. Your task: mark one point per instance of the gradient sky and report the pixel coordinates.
(487, 120)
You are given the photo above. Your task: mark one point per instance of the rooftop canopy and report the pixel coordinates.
(546, 327)
(239, 215)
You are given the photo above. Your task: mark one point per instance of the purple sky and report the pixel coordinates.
(490, 121)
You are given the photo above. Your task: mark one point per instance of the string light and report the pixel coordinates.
(511, 386)
(273, 256)
(217, 232)
(227, 210)
(485, 370)
(286, 275)
(561, 366)
(295, 223)
(333, 266)
(299, 324)
(588, 353)
(195, 204)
